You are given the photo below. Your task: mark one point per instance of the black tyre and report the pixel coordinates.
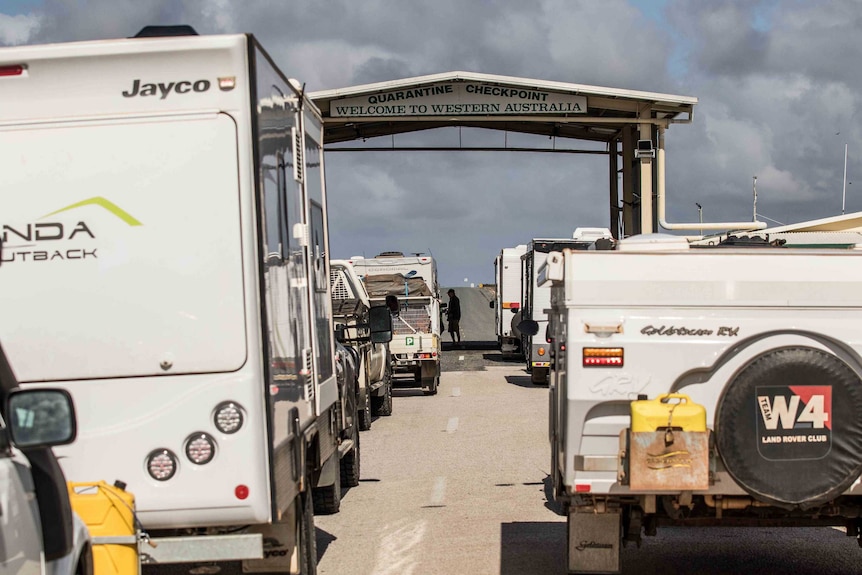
(364, 415)
(429, 386)
(350, 463)
(327, 498)
(539, 376)
(788, 427)
(307, 545)
(384, 405)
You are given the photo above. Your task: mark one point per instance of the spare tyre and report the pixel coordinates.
(789, 427)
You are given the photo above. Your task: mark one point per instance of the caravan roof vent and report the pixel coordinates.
(390, 255)
(161, 31)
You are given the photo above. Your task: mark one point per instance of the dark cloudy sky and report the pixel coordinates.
(778, 84)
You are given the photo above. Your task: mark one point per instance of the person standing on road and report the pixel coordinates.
(453, 316)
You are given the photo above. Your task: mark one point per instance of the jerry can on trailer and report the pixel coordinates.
(109, 513)
(667, 446)
(662, 412)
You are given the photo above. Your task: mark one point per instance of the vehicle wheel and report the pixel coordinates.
(788, 427)
(364, 415)
(417, 375)
(350, 463)
(306, 534)
(384, 405)
(539, 376)
(429, 386)
(327, 499)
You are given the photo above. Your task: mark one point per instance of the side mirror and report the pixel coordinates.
(41, 417)
(529, 327)
(339, 332)
(380, 324)
(491, 304)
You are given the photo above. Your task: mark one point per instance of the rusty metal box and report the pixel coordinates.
(667, 447)
(668, 460)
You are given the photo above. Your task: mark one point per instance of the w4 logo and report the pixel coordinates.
(795, 407)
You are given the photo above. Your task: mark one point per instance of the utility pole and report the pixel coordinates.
(700, 216)
(754, 191)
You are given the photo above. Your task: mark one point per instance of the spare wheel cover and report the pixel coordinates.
(789, 427)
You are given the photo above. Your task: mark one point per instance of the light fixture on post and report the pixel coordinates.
(700, 215)
(644, 149)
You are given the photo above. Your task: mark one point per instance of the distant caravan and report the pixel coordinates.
(507, 302)
(537, 297)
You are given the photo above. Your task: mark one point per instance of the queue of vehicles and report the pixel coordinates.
(178, 244)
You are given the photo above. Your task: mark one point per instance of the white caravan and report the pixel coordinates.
(507, 301)
(703, 386)
(164, 240)
(415, 345)
(536, 299)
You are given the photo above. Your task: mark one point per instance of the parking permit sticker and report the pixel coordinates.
(409, 341)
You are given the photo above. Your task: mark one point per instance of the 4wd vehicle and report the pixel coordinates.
(351, 311)
(38, 529)
(715, 385)
(415, 345)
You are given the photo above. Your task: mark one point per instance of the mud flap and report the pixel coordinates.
(279, 547)
(594, 541)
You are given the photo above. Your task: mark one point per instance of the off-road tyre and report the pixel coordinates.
(823, 455)
(327, 499)
(306, 533)
(364, 415)
(350, 463)
(429, 385)
(539, 376)
(384, 402)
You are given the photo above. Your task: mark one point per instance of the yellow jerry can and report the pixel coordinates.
(675, 410)
(109, 513)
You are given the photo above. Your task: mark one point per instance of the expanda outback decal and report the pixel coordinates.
(794, 422)
(53, 238)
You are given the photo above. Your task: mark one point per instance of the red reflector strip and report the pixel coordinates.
(603, 357)
(15, 70)
(582, 487)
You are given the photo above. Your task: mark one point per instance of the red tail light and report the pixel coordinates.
(603, 357)
(14, 70)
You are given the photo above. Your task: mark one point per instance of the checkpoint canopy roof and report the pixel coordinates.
(554, 109)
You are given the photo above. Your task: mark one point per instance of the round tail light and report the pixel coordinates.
(162, 464)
